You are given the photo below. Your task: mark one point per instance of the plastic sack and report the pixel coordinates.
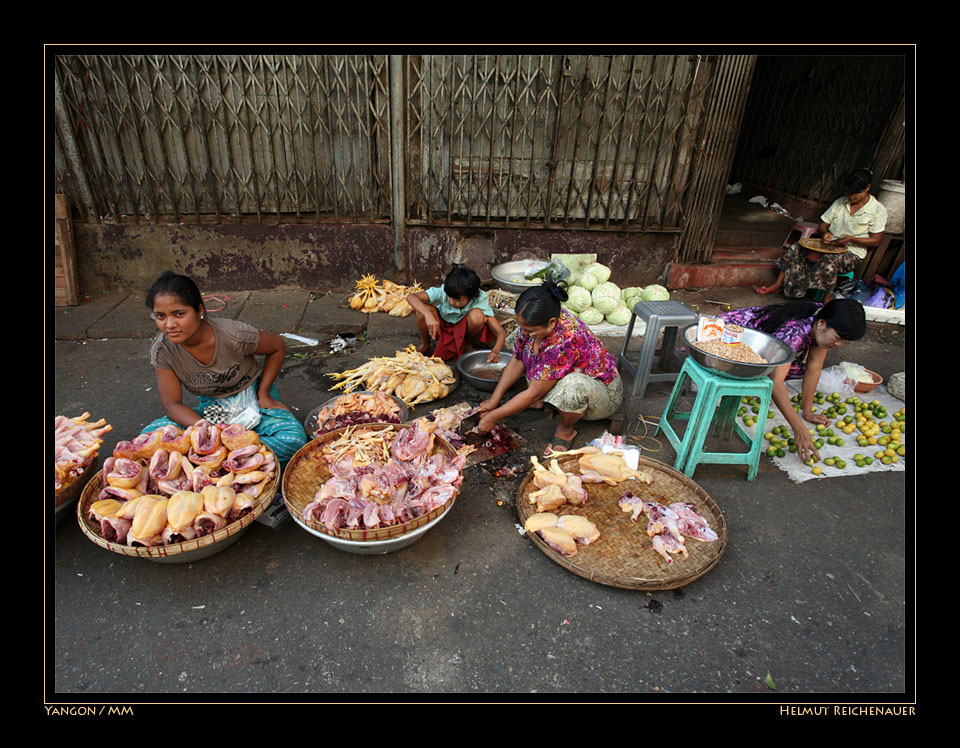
(242, 408)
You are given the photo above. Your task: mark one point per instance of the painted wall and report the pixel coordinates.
(255, 256)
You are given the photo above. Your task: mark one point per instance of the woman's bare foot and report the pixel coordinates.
(425, 348)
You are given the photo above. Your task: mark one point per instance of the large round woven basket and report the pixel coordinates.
(623, 555)
(307, 471)
(185, 552)
(66, 496)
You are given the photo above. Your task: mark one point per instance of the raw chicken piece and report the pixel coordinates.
(236, 436)
(124, 473)
(207, 523)
(148, 521)
(99, 510)
(143, 447)
(245, 459)
(549, 498)
(538, 521)
(174, 440)
(243, 503)
(114, 529)
(612, 467)
(204, 437)
(574, 491)
(691, 523)
(183, 508)
(560, 540)
(165, 465)
(630, 503)
(218, 499)
(662, 518)
(209, 460)
(666, 544)
(582, 529)
(542, 477)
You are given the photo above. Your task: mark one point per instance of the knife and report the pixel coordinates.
(467, 426)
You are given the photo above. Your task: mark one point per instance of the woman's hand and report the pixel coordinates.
(493, 357)
(818, 418)
(486, 424)
(489, 404)
(803, 440)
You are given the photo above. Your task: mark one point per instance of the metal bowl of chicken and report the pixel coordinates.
(309, 470)
(480, 373)
(774, 352)
(353, 418)
(512, 276)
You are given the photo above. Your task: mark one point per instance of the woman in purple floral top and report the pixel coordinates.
(810, 329)
(565, 364)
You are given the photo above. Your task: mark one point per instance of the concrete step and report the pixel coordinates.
(746, 255)
(720, 274)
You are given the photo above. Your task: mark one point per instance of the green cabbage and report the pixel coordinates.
(619, 316)
(654, 292)
(588, 281)
(606, 297)
(601, 271)
(578, 298)
(591, 316)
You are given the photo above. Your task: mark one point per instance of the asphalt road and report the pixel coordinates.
(811, 596)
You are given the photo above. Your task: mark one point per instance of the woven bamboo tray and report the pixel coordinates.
(622, 556)
(185, 552)
(307, 471)
(66, 495)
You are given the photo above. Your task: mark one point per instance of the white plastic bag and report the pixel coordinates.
(242, 408)
(835, 379)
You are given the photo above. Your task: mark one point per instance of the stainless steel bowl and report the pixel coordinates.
(776, 352)
(470, 364)
(510, 276)
(310, 422)
(373, 547)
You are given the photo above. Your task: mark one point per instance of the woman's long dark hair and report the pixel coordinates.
(540, 304)
(180, 286)
(846, 316)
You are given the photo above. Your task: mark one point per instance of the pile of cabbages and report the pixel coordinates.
(595, 299)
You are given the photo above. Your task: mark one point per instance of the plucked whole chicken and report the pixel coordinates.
(172, 485)
(409, 375)
(380, 478)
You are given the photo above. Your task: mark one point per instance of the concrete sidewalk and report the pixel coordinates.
(811, 588)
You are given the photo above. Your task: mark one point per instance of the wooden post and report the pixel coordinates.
(66, 286)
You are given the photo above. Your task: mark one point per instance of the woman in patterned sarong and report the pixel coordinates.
(565, 364)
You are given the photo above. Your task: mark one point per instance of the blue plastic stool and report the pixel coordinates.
(718, 398)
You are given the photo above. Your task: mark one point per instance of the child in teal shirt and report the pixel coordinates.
(456, 317)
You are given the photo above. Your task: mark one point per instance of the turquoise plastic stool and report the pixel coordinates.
(716, 404)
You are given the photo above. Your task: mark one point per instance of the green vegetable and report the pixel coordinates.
(588, 281)
(578, 298)
(601, 271)
(619, 316)
(606, 297)
(654, 292)
(591, 316)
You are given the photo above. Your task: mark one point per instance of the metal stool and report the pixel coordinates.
(718, 398)
(800, 230)
(658, 315)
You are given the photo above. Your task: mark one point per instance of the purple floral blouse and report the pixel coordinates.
(571, 347)
(798, 334)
